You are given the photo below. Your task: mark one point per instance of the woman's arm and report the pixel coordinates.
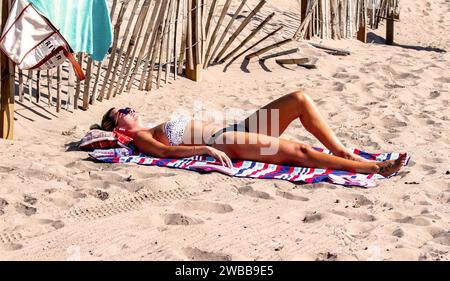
(148, 145)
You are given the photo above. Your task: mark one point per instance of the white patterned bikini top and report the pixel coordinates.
(174, 130)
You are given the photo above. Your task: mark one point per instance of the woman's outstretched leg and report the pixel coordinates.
(254, 147)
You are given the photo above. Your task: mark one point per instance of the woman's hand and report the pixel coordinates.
(219, 155)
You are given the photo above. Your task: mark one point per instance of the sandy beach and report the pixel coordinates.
(57, 204)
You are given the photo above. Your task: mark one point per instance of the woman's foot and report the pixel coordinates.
(387, 168)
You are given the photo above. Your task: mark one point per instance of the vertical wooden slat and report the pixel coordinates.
(210, 15)
(58, 89)
(30, 84)
(38, 86)
(321, 18)
(113, 9)
(93, 97)
(175, 42)
(332, 19)
(21, 86)
(154, 48)
(150, 33)
(49, 87)
(212, 40)
(163, 43)
(169, 41)
(70, 87)
(224, 33)
(100, 64)
(313, 23)
(117, 52)
(87, 84)
(202, 31)
(348, 19)
(196, 32)
(78, 83)
(190, 54)
(183, 39)
(132, 47)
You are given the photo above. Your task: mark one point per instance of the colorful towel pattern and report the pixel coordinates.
(251, 169)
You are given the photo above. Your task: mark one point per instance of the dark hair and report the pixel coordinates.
(108, 122)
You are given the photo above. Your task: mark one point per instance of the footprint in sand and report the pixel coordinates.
(106, 176)
(3, 204)
(359, 199)
(29, 199)
(249, 191)
(43, 175)
(312, 217)
(339, 87)
(83, 166)
(290, 196)
(326, 256)
(361, 216)
(55, 224)
(11, 247)
(6, 170)
(201, 205)
(24, 209)
(359, 108)
(359, 230)
(393, 121)
(442, 238)
(389, 136)
(180, 219)
(434, 94)
(102, 195)
(398, 233)
(414, 221)
(430, 170)
(195, 254)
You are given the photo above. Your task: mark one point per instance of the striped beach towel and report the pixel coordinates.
(252, 169)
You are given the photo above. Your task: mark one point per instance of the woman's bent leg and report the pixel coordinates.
(285, 110)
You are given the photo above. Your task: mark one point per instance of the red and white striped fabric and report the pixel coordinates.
(251, 169)
(32, 42)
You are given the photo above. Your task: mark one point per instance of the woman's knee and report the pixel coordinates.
(300, 151)
(297, 154)
(300, 96)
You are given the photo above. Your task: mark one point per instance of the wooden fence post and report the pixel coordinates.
(194, 74)
(390, 29)
(7, 85)
(362, 33)
(304, 10)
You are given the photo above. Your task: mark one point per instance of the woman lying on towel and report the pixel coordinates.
(253, 139)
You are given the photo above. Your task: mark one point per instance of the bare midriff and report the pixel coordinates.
(195, 133)
(198, 132)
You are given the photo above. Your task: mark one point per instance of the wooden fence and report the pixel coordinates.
(155, 41)
(337, 19)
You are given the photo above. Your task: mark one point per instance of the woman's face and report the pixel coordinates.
(125, 118)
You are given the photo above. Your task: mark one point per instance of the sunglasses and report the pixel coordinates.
(125, 111)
